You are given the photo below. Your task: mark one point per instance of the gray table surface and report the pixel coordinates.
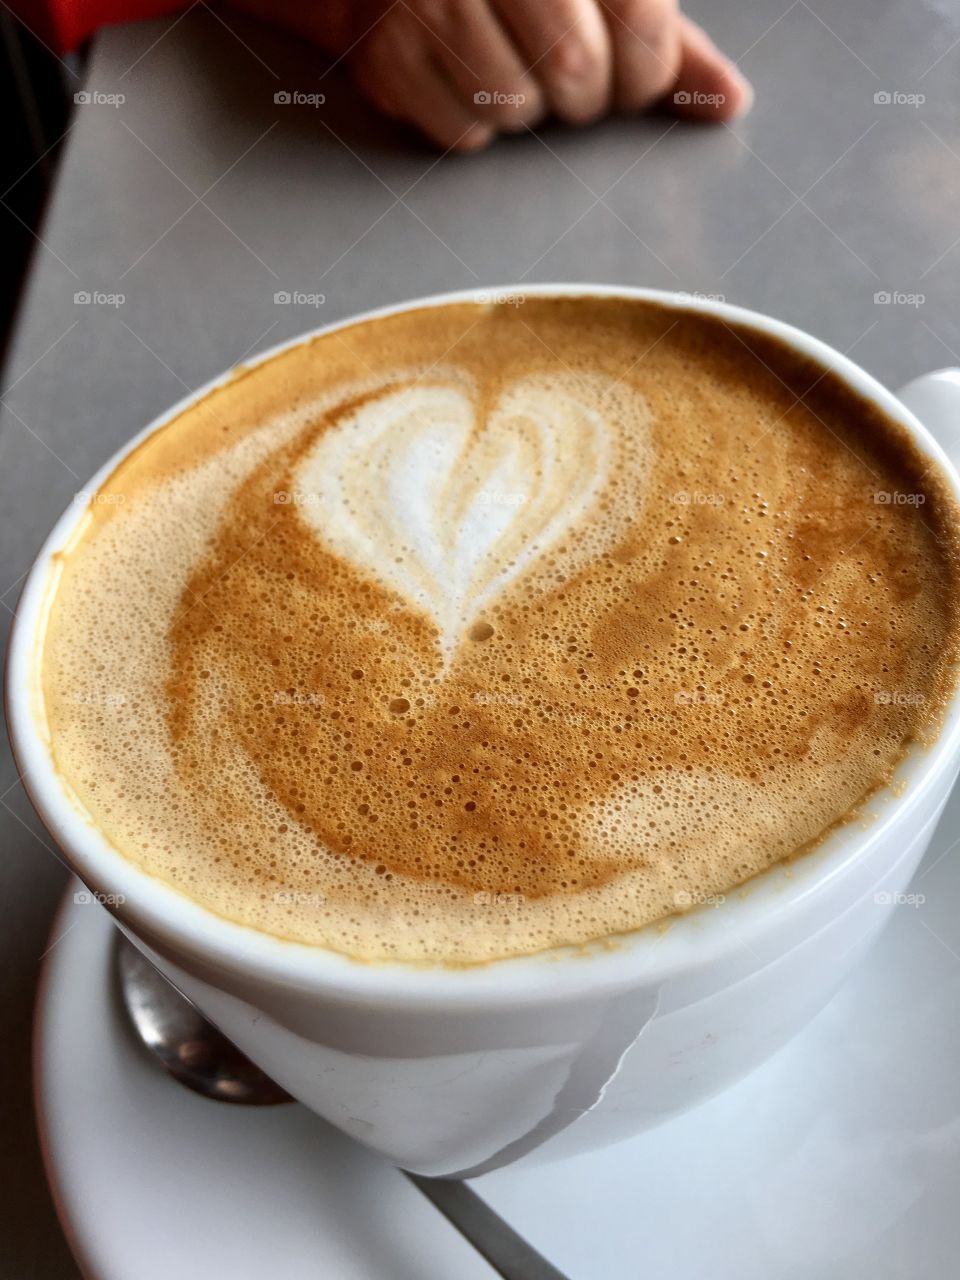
(198, 199)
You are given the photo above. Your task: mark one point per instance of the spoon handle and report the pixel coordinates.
(508, 1253)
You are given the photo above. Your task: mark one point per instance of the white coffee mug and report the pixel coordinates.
(457, 1071)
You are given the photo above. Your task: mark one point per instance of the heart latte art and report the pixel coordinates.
(447, 512)
(476, 630)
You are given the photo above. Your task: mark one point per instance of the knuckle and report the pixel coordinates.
(573, 57)
(651, 49)
(649, 20)
(574, 73)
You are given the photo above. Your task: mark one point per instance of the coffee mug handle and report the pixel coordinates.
(935, 399)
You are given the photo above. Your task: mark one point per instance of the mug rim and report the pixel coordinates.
(684, 943)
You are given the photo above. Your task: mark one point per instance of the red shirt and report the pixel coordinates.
(64, 24)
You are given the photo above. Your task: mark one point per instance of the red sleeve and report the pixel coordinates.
(65, 24)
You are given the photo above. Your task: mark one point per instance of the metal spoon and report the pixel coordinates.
(188, 1046)
(200, 1057)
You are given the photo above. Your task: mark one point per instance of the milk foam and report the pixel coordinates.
(446, 511)
(529, 638)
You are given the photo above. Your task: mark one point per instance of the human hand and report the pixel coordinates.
(462, 71)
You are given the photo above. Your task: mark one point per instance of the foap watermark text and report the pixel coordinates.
(297, 98)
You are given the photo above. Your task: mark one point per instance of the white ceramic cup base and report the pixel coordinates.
(836, 1160)
(457, 1072)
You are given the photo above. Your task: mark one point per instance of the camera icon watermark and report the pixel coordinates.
(696, 296)
(94, 298)
(888, 498)
(495, 98)
(96, 498)
(297, 498)
(98, 698)
(897, 298)
(295, 98)
(297, 298)
(896, 698)
(895, 98)
(497, 698)
(299, 898)
(298, 698)
(94, 98)
(695, 98)
(696, 499)
(500, 298)
(697, 698)
(497, 498)
(692, 898)
(83, 898)
(485, 898)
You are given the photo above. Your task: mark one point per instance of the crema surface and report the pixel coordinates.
(479, 629)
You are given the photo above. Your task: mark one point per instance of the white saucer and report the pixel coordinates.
(838, 1160)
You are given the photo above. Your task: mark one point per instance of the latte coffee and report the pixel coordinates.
(477, 629)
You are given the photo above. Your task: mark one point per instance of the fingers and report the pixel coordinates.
(438, 111)
(462, 70)
(658, 53)
(566, 45)
(708, 85)
(396, 70)
(482, 64)
(646, 49)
